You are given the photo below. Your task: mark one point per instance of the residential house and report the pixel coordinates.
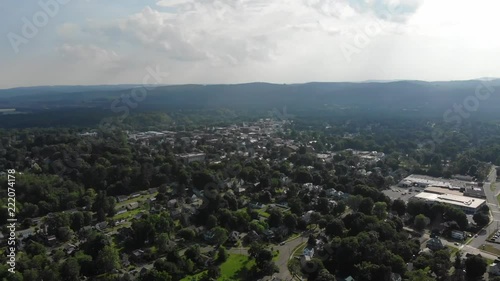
(209, 236)
(308, 251)
(234, 237)
(51, 240)
(121, 198)
(494, 269)
(255, 205)
(192, 157)
(457, 234)
(138, 254)
(435, 244)
(269, 234)
(133, 205)
(101, 226)
(171, 204)
(396, 277)
(252, 236)
(121, 211)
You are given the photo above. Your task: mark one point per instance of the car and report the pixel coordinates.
(476, 235)
(282, 243)
(457, 244)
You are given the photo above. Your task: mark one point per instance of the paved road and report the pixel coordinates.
(492, 202)
(286, 251)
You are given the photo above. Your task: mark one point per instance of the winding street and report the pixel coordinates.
(285, 251)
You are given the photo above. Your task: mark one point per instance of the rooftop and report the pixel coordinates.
(457, 200)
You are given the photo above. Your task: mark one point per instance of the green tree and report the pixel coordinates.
(481, 219)
(222, 255)
(475, 266)
(325, 275)
(399, 206)
(64, 233)
(162, 242)
(213, 272)
(108, 259)
(193, 252)
(420, 275)
(335, 228)
(211, 222)
(186, 233)
(366, 206)
(380, 210)
(420, 222)
(220, 235)
(70, 270)
(290, 221)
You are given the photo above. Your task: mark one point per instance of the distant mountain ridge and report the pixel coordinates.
(404, 96)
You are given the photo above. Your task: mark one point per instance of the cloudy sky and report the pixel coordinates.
(49, 42)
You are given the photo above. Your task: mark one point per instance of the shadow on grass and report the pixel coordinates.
(243, 273)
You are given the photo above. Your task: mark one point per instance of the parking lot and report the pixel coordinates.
(403, 193)
(496, 237)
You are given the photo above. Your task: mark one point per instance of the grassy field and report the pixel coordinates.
(140, 199)
(193, 277)
(230, 269)
(491, 249)
(299, 250)
(453, 250)
(233, 265)
(127, 215)
(263, 213)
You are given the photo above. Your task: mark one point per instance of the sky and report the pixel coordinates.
(91, 42)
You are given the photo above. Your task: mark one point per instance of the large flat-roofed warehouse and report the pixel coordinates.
(440, 185)
(468, 204)
(425, 181)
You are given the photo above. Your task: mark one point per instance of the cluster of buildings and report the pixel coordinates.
(465, 195)
(368, 156)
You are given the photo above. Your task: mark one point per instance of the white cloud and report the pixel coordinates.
(90, 55)
(171, 3)
(230, 41)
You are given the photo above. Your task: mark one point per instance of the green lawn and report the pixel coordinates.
(299, 250)
(126, 215)
(498, 198)
(262, 212)
(139, 199)
(492, 186)
(453, 250)
(231, 267)
(491, 249)
(193, 277)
